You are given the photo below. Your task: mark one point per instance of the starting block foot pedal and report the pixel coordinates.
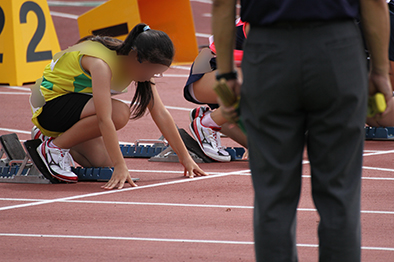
(31, 148)
(17, 167)
(144, 151)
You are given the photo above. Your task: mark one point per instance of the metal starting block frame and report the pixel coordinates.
(168, 155)
(17, 167)
(31, 169)
(379, 133)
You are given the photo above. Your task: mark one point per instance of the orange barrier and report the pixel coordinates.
(117, 17)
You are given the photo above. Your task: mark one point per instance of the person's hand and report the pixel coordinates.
(119, 177)
(380, 82)
(234, 86)
(192, 169)
(229, 112)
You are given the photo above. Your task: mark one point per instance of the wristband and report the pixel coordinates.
(227, 76)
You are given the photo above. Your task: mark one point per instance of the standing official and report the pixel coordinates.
(306, 83)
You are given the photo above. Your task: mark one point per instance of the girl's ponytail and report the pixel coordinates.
(152, 46)
(128, 43)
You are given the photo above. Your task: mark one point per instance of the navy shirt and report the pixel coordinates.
(264, 12)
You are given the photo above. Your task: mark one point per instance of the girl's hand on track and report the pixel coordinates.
(119, 177)
(192, 169)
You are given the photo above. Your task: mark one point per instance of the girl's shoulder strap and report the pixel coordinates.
(94, 49)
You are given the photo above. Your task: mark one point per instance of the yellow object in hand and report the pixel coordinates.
(228, 98)
(376, 104)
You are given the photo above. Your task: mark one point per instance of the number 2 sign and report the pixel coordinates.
(27, 40)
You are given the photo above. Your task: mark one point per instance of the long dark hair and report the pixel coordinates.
(152, 46)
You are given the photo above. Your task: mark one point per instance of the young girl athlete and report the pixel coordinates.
(73, 108)
(205, 121)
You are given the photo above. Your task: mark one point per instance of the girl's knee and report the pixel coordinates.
(120, 115)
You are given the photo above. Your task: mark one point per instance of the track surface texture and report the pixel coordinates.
(168, 217)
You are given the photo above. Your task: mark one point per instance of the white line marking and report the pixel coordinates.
(202, 1)
(17, 88)
(75, 3)
(174, 75)
(181, 67)
(64, 15)
(15, 130)
(131, 238)
(14, 93)
(166, 240)
(203, 35)
(174, 205)
(379, 168)
(379, 153)
(50, 201)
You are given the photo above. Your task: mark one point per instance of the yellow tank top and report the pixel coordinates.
(65, 74)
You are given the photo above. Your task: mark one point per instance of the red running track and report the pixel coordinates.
(168, 217)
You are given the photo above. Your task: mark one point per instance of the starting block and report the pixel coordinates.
(168, 155)
(379, 133)
(32, 169)
(142, 149)
(100, 174)
(17, 167)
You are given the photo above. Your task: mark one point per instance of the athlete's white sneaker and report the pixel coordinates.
(198, 112)
(36, 134)
(58, 161)
(209, 141)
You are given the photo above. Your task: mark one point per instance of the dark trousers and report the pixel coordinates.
(305, 85)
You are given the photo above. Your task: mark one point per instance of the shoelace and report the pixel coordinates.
(213, 137)
(67, 159)
(221, 148)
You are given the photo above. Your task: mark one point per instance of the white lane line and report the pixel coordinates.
(175, 75)
(175, 205)
(15, 130)
(203, 35)
(379, 153)
(50, 201)
(202, 1)
(181, 67)
(14, 93)
(64, 15)
(75, 3)
(202, 241)
(17, 88)
(379, 168)
(131, 238)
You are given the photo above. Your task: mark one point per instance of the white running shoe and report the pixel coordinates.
(209, 141)
(58, 161)
(198, 112)
(36, 134)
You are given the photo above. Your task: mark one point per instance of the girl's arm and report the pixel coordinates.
(101, 83)
(166, 124)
